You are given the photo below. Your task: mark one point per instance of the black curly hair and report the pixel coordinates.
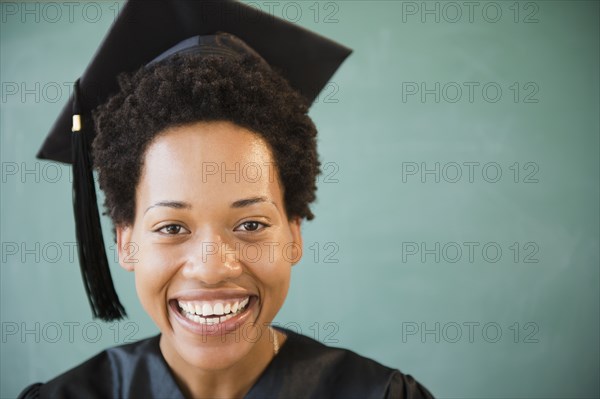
(191, 88)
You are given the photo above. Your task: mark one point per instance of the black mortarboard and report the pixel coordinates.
(146, 32)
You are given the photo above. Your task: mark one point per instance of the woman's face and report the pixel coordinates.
(210, 245)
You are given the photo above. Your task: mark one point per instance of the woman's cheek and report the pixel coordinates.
(152, 273)
(159, 259)
(272, 265)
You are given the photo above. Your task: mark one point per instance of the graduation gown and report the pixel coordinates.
(303, 368)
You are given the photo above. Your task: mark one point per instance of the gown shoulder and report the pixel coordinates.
(304, 368)
(131, 370)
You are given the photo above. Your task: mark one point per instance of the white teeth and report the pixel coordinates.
(199, 311)
(209, 321)
(218, 309)
(207, 310)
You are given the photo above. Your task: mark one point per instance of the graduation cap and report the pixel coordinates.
(146, 32)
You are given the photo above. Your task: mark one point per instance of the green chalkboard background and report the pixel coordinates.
(457, 228)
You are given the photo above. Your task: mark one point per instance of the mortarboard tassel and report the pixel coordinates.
(92, 254)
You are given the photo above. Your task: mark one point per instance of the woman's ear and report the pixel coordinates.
(125, 248)
(295, 228)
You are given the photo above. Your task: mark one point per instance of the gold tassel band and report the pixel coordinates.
(76, 123)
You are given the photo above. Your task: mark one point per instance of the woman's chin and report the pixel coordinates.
(213, 358)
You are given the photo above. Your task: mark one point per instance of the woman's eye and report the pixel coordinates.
(251, 226)
(172, 229)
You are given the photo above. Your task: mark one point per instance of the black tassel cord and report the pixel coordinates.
(92, 254)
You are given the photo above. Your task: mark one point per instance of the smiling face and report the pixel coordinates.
(211, 245)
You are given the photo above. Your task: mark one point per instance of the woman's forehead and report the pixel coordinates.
(204, 161)
(218, 141)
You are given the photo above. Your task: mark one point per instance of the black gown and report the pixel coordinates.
(303, 368)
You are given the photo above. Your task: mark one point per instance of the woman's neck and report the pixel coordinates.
(232, 382)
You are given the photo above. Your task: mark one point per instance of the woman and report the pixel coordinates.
(208, 161)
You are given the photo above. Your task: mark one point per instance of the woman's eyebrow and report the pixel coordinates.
(171, 204)
(237, 204)
(251, 201)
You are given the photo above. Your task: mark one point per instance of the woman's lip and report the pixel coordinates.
(226, 327)
(211, 295)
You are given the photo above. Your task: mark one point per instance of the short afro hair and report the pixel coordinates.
(191, 88)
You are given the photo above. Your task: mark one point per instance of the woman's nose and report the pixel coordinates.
(212, 261)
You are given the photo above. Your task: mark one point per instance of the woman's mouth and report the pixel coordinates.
(212, 312)
(213, 317)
